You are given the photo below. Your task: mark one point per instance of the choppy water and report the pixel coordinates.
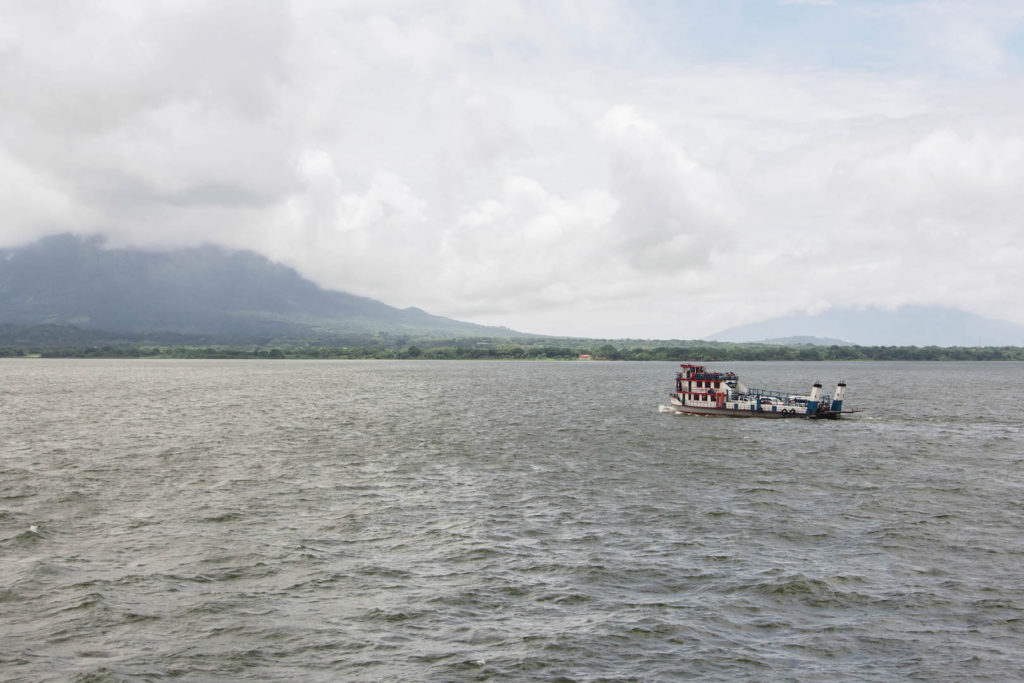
(451, 521)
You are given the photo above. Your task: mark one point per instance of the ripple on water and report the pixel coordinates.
(301, 521)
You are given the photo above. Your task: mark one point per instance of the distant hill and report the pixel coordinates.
(806, 340)
(904, 326)
(74, 281)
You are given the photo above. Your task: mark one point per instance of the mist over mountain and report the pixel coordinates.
(806, 340)
(904, 326)
(70, 280)
(212, 292)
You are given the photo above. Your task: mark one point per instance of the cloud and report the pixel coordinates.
(33, 203)
(967, 39)
(565, 168)
(955, 205)
(530, 245)
(672, 210)
(352, 232)
(131, 116)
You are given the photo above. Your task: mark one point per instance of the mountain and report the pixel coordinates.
(904, 326)
(806, 340)
(208, 290)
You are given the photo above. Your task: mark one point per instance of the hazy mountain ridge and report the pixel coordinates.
(806, 340)
(208, 290)
(67, 287)
(904, 326)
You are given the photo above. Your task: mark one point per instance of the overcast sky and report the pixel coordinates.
(588, 168)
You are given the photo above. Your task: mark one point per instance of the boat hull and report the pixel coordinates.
(732, 412)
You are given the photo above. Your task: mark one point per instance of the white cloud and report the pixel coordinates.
(34, 203)
(528, 245)
(968, 39)
(563, 168)
(673, 211)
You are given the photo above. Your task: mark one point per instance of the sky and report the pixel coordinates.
(645, 169)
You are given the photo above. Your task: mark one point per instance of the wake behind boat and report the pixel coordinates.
(699, 392)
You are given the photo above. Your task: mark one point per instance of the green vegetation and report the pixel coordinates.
(387, 346)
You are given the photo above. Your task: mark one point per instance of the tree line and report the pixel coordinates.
(527, 349)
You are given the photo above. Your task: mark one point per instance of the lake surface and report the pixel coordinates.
(450, 521)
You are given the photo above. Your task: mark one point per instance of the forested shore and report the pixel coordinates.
(561, 349)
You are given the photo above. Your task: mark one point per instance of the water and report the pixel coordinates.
(449, 521)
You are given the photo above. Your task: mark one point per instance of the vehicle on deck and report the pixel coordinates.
(701, 392)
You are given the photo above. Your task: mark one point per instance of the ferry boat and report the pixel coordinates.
(699, 392)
